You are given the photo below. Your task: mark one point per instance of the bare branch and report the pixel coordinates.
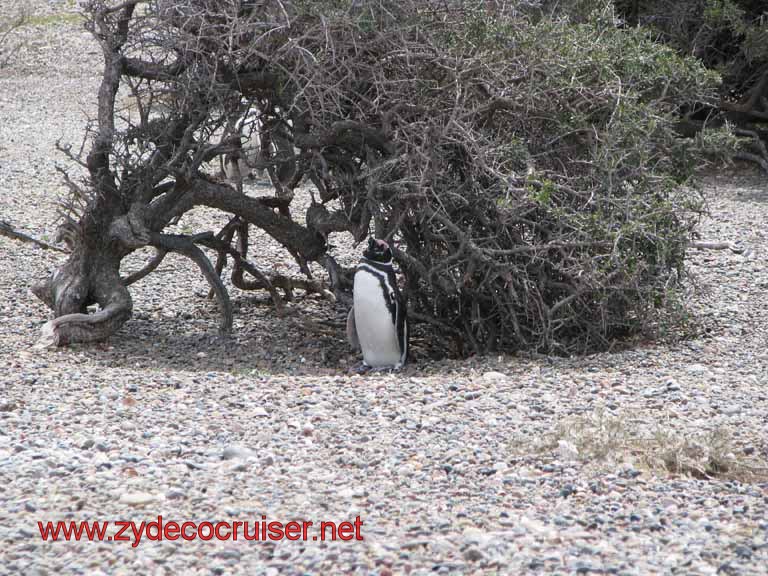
(151, 266)
(185, 245)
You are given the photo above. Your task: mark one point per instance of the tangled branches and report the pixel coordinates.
(528, 170)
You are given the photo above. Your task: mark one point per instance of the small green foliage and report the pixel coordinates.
(718, 144)
(603, 169)
(543, 192)
(719, 12)
(755, 45)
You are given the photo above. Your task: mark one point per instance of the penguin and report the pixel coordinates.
(377, 323)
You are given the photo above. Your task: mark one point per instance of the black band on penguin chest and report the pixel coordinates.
(385, 274)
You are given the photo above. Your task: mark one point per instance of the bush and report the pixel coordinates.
(524, 162)
(731, 38)
(531, 170)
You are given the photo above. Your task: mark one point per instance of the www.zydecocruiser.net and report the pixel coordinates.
(157, 530)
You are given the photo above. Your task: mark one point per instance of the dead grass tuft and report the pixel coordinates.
(656, 446)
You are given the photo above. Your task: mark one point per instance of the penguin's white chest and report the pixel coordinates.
(376, 329)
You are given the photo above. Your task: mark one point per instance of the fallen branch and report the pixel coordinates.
(9, 231)
(718, 246)
(265, 281)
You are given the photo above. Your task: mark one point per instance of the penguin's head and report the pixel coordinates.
(378, 251)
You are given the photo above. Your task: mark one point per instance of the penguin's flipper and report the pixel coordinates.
(401, 326)
(352, 330)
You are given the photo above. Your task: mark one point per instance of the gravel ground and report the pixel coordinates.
(510, 464)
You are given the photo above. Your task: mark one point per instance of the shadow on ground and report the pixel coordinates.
(309, 338)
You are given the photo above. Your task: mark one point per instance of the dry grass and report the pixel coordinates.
(656, 446)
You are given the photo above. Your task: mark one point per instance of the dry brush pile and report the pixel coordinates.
(525, 167)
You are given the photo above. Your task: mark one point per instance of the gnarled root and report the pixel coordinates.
(71, 290)
(86, 327)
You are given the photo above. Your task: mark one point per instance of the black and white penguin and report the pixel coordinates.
(377, 324)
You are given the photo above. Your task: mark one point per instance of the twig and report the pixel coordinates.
(4, 34)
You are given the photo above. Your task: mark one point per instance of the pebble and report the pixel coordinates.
(473, 555)
(236, 451)
(567, 450)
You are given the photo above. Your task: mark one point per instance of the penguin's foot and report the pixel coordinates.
(388, 369)
(361, 369)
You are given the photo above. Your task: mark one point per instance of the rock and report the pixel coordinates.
(731, 409)
(139, 498)
(229, 554)
(567, 490)
(697, 369)
(237, 451)
(267, 460)
(567, 451)
(743, 551)
(672, 386)
(493, 376)
(473, 554)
